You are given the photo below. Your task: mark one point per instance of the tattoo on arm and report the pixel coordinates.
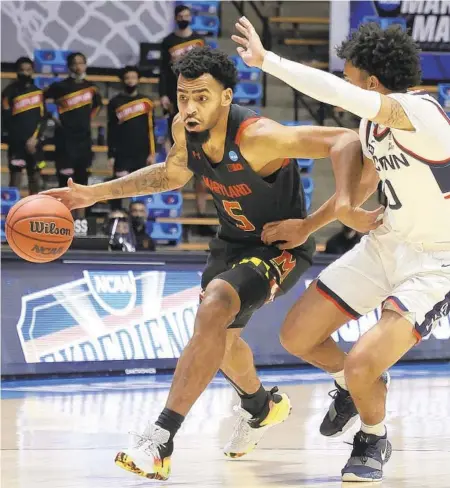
(151, 179)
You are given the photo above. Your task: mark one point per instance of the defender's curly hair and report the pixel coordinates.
(204, 60)
(391, 55)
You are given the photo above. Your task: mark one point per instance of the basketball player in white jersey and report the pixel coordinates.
(405, 263)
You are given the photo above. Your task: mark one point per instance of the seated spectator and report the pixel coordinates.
(343, 241)
(120, 232)
(139, 216)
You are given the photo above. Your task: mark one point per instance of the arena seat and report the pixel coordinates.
(50, 60)
(167, 204)
(212, 43)
(161, 130)
(9, 197)
(386, 22)
(206, 25)
(44, 82)
(305, 165)
(164, 233)
(246, 73)
(248, 93)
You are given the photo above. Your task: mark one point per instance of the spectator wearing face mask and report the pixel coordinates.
(22, 117)
(139, 215)
(78, 101)
(131, 141)
(119, 231)
(173, 47)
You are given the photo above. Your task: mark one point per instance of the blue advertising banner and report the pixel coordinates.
(106, 314)
(427, 21)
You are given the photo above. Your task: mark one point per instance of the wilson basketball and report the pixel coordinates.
(39, 228)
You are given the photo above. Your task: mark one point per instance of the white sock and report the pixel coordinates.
(378, 429)
(339, 377)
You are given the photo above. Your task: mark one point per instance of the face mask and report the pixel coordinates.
(183, 24)
(137, 222)
(76, 76)
(23, 78)
(130, 89)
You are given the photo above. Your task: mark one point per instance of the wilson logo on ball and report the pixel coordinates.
(48, 228)
(47, 250)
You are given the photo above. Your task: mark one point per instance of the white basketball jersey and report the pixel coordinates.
(414, 167)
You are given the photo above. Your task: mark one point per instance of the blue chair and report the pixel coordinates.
(9, 197)
(212, 43)
(246, 73)
(50, 60)
(308, 185)
(43, 82)
(211, 7)
(248, 94)
(305, 165)
(161, 155)
(164, 233)
(206, 25)
(167, 204)
(307, 202)
(444, 95)
(2, 236)
(52, 109)
(161, 130)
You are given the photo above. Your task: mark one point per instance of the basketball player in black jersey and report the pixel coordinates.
(246, 163)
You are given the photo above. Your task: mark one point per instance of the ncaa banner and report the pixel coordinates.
(427, 21)
(111, 315)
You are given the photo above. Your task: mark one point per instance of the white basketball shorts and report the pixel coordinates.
(381, 269)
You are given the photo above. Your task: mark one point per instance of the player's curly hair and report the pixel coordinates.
(204, 60)
(391, 55)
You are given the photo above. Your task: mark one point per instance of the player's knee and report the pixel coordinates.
(220, 303)
(360, 367)
(291, 337)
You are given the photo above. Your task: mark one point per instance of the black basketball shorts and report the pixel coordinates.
(258, 273)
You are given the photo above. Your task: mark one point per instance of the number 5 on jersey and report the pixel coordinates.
(242, 222)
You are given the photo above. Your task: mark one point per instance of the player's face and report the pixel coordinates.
(202, 102)
(361, 78)
(78, 65)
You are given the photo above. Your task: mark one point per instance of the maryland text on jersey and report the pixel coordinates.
(76, 99)
(27, 102)
(134, 109)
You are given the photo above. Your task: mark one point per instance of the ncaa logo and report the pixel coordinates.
(233, 156)
(114, 291)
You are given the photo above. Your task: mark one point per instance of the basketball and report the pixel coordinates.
(39, 228)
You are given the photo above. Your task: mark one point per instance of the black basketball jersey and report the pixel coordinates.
(244, 200)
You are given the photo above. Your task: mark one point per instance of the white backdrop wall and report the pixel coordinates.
(108, 32)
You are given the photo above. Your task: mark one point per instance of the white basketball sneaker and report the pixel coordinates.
(249, 430)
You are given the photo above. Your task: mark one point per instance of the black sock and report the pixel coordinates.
(256, 403)
(171, 421)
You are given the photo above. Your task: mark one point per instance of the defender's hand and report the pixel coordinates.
(73, 196)
(361, 220)
(293, 232)
(251, 49)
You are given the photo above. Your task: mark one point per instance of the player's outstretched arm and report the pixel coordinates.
(170, 175)
(320, 85)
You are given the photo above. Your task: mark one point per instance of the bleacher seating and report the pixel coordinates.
(50, 60)
(384, 23)
(246, 73)
(199, 7)
(247, 93)
(9, 197)
(164, 233)
(212, 43)
(43, 82)
(206, 25)
(308, 186)
(161, 129)
(167, 204)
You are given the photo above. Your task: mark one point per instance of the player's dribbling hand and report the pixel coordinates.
(286, 234)
(361, 220)
(251, 49)
(73, 196)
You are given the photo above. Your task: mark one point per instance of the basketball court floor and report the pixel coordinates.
(65, 433)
